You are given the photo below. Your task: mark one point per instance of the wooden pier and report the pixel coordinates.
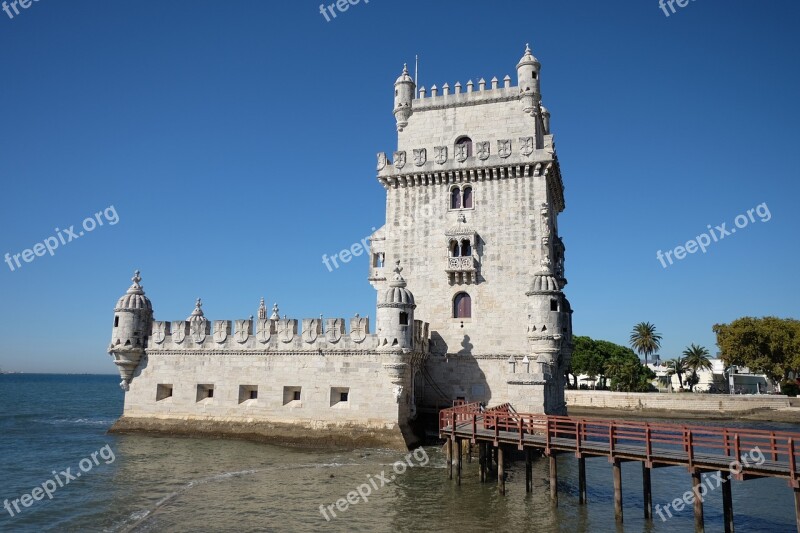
(701, 449)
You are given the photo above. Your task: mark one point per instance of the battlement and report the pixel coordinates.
(272, 335)
(469, 94)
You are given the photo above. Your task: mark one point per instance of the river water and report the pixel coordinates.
(142, 484)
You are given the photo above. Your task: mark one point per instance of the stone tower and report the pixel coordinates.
(473, 193)
(133, 317)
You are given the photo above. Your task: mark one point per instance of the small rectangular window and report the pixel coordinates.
(403, 318)
(248, 392)
(340, 397)
(554, 305)
(163, 392)
(291, 396)
(116, 321)
(204, 392)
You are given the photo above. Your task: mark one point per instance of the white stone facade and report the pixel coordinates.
(475, 312)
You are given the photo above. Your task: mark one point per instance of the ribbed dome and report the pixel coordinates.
(397, 293)
(528, 58)
(197, 314)
(134, 299)
(405, 77)
(545, 282)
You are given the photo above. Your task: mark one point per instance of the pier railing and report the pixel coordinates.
(690, 445)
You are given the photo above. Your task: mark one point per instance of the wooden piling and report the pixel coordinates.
(797, 506)
(459, 461)
(482, 460)
(528, 470)
(617, 471)
(554, 480)
(501, 478)
(727, 505)
(699, 522)
(450, 456)
(581, 480)
(648, 493)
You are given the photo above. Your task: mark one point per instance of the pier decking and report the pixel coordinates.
(729, 451)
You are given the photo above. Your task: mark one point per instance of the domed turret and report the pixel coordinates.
(404, 89)
(197, 315)
(396, 315)
(133, 318)
(528, 80)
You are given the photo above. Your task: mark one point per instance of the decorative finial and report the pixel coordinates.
(527, 48)
(462, 219)
(397, 268)
(275, 314)
(405, 68)
(262, 310)
(199, 303)
(136, 278)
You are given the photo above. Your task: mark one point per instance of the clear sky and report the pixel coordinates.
(236, 142)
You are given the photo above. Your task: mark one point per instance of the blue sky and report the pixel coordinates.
(236, 141)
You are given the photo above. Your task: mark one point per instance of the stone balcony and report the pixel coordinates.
(462, 269)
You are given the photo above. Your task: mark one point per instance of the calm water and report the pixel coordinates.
(50, 423)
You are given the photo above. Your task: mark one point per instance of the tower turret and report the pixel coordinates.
(133, 318)
(396, 315)
(404, 89)
(528, 80)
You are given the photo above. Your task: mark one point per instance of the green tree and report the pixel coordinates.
(645, 340)
(767, 345)
(628, 374)
(696, 359)
(591, 358)
(677, 367)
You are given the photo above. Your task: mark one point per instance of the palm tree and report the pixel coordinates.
(645, 340)
(696, 358)
(677, 366)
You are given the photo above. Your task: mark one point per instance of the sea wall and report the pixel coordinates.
(683, 404)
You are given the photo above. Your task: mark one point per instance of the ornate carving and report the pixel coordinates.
(420, 156)
(398, 393)
(242, 331)
(311, 327)
(159, 332)
(381, 160)
(504, 148)
(527, 145)
(441, 154)
(399, 160)
(220, 331)
(264, 330)
(178, 331)
(461, 152)
(359, 327)
(483, 150)
(286, 330)
(198, 331)
(333, 330)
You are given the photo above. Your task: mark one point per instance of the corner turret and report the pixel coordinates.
(528, 80)
(404, 89)
(396, 315)
(133, 318)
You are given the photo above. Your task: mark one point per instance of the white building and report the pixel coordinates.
(476, 312)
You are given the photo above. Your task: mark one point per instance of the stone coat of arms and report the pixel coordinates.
(242, 331)
(178, 331)
(264, 330)
(159, 332)
(420, 156)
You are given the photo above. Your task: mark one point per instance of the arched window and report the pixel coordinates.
(467, 199)
(466, 248)
(462, 306)
(465, 141)
(455, 250)
(455, 198)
